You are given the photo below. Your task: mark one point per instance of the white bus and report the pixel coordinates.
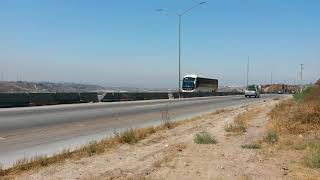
(195, 83)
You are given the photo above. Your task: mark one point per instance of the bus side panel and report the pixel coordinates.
(206, 85)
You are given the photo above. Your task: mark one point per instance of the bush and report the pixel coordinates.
(251, 146)
(128, 136)
(92, 148)
(204, 138)
(313, 159)
(240, 127)
(272, 137)
(302, 95)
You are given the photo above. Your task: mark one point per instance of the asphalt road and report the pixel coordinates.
(32, 131)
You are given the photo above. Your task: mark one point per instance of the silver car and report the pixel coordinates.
(252, 91)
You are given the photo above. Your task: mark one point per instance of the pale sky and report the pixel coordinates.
(129, 43)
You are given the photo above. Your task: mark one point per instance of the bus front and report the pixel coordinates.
(188, 84)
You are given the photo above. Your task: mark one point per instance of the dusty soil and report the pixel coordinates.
(172, 154)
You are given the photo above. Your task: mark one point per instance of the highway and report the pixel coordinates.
(31, 131)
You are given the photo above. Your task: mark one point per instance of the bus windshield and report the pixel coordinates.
(188, 83)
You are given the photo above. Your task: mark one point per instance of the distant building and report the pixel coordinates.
(318, 82)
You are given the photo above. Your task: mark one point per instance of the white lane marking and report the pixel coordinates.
(79, 125)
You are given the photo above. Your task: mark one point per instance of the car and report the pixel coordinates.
(252, 91)
(280, 92)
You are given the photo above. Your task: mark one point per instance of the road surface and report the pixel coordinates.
(31, 131)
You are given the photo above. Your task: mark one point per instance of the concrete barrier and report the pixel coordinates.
(157, 95)
(197, 94)
(67, 98)
(111, 97)
(88, 97)
(14, 99)
(38, 99)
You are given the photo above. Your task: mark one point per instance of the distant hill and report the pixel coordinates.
(22, 86)
(27, 87)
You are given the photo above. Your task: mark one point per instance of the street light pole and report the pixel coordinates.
(179, 38)
(179, 80)
(248, 72)
(301, 68)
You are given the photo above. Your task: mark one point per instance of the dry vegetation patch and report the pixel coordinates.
(240, 123)
(251, 146)
(205, 138)
(296, 125)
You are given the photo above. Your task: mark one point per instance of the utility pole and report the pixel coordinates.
(248, 72)
(301, 82)
(271, 79)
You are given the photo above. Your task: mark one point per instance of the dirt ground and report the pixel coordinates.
(172, 154)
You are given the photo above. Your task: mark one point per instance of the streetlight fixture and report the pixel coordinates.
(179, 36)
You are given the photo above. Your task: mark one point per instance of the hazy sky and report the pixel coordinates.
(126, 42)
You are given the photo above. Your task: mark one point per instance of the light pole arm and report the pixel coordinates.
(186, 11)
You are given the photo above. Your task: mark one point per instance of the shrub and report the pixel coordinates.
(238, 127)
(312, 160)
(251, 146)
(204, 138)
(272, 137)
(128, 136)
(92, 148)
(302, 95)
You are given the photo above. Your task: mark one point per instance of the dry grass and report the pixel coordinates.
(312, 159)
(42, 161)
(129, 136)
(251, 146)
(205, 138)
(272, 137)
(241, 121)
(297, 121)
(298, 117)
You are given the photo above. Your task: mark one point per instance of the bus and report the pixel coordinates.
(195, 83)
